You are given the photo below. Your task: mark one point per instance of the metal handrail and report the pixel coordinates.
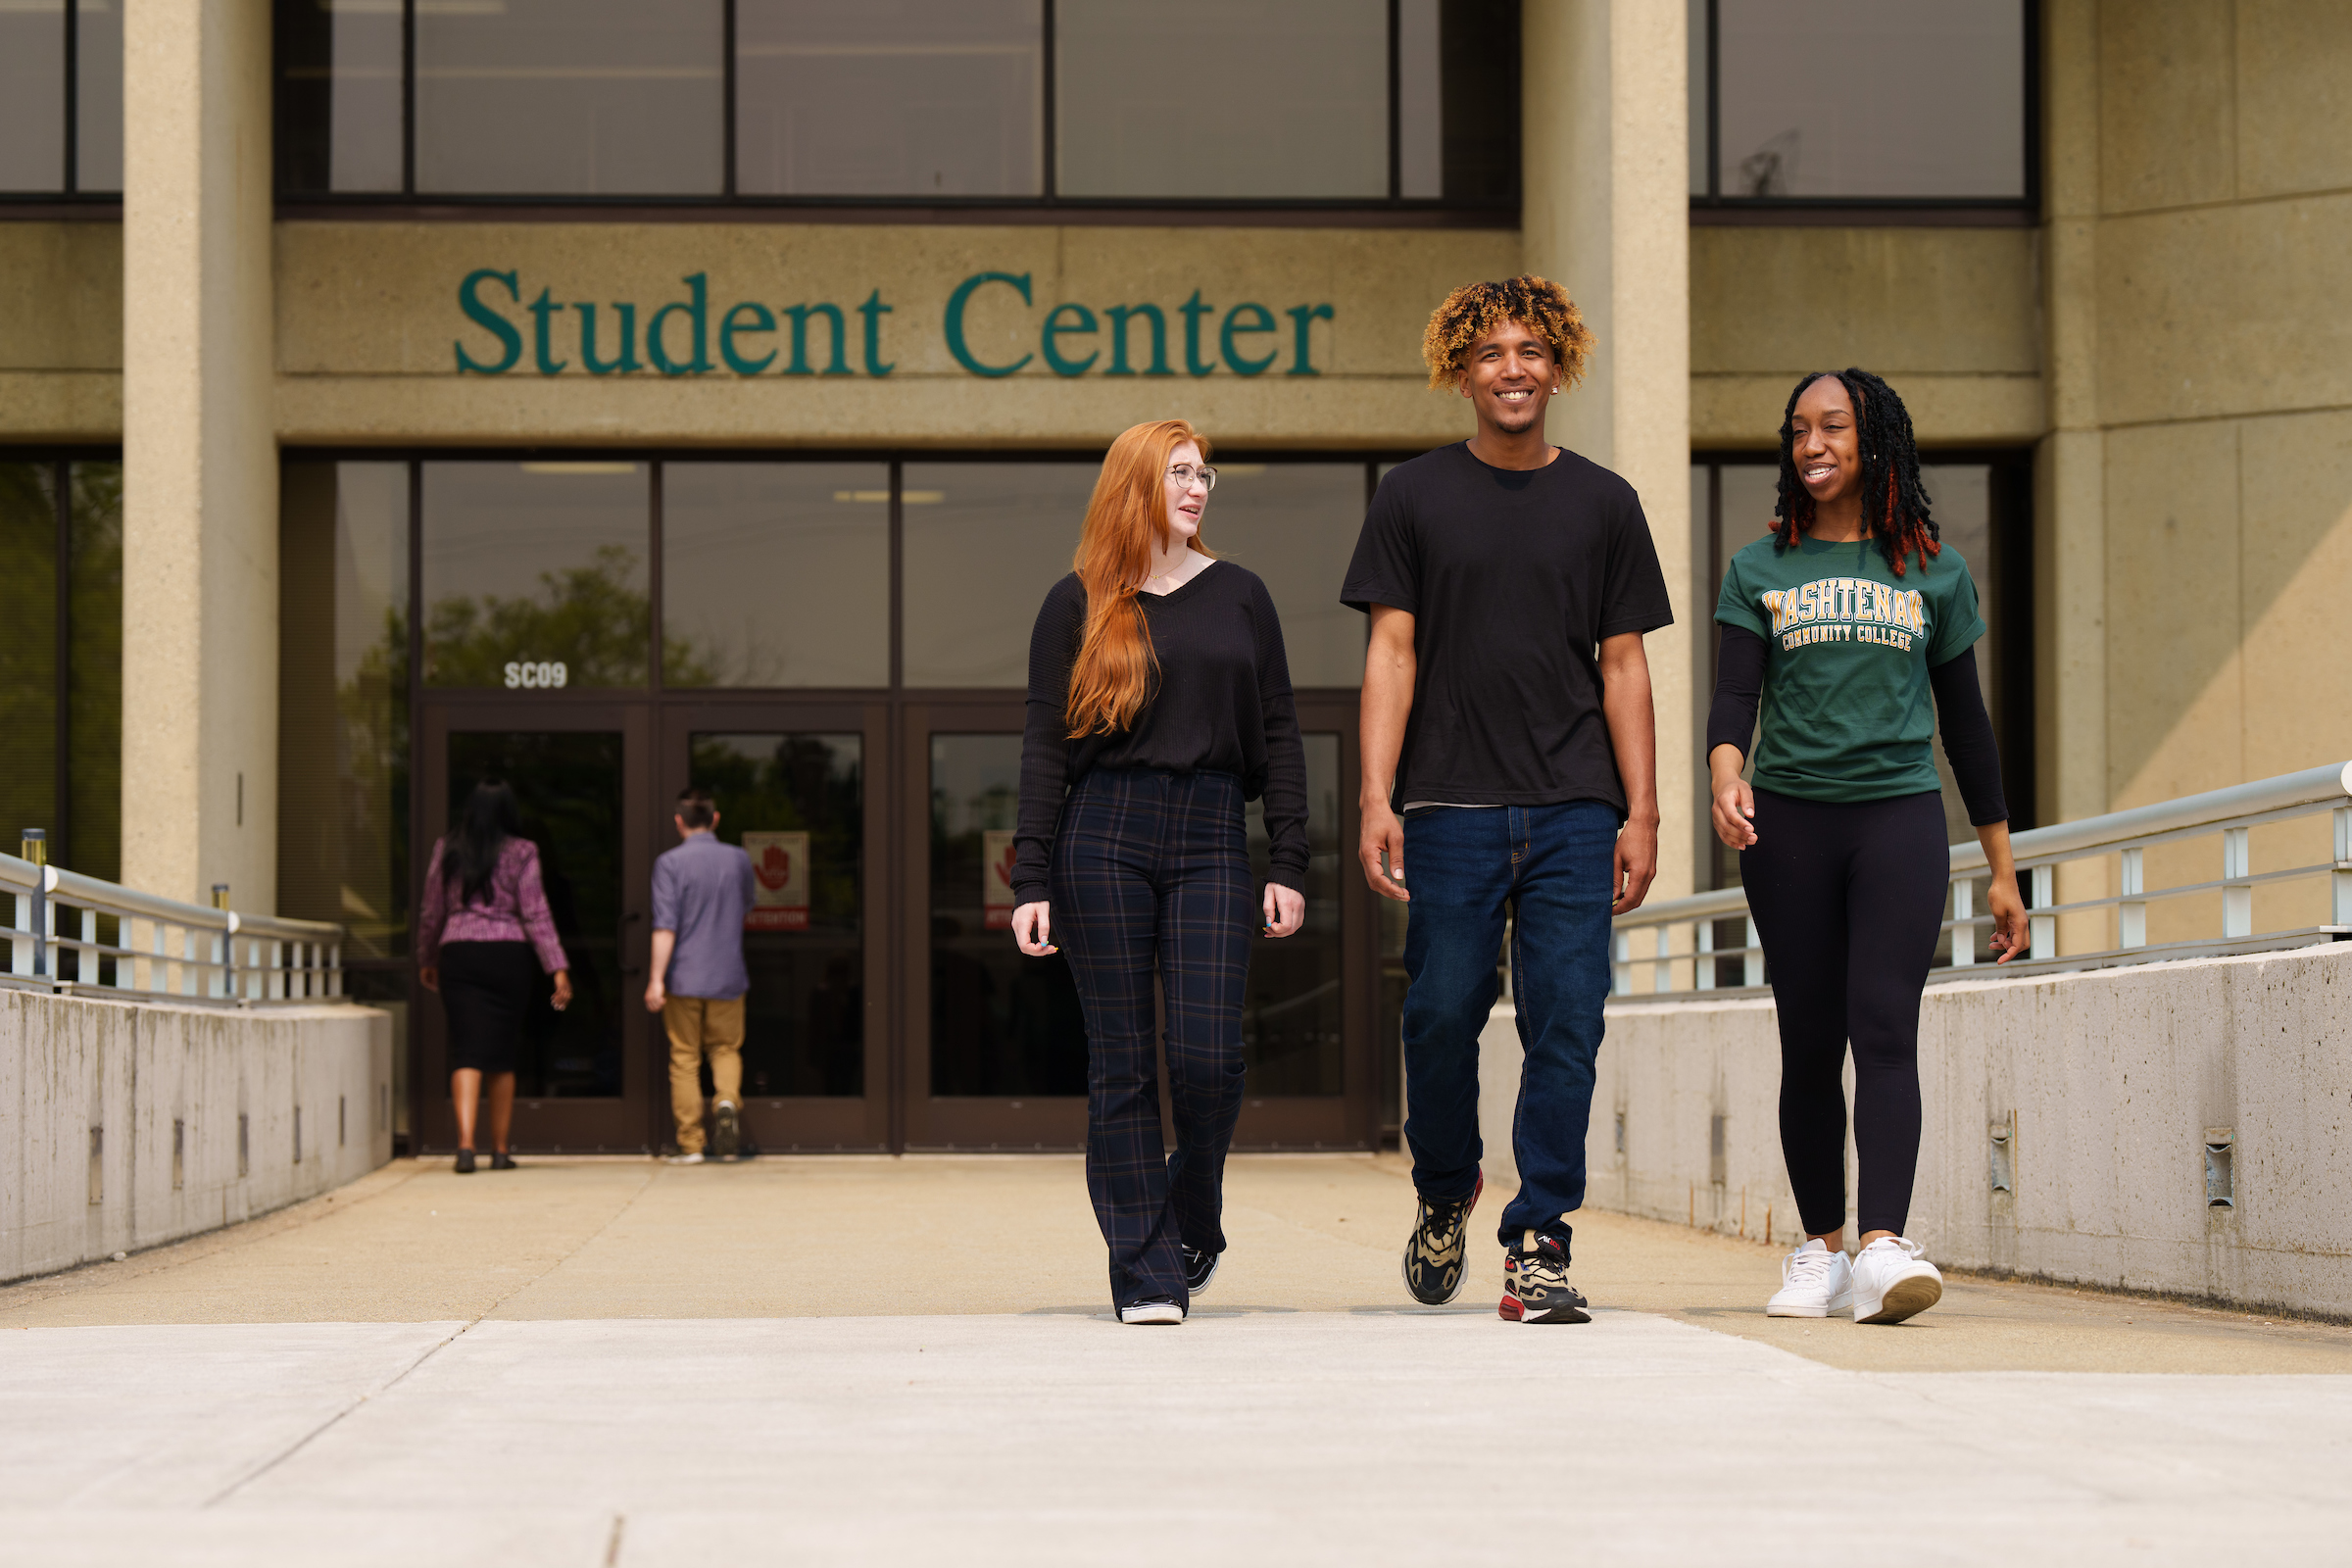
(160, 946)
(2231, 812)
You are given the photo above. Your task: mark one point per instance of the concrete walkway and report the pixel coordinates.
(852, 1360)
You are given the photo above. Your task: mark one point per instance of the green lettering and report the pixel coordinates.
(698, 312)
(543, 310)
(628, 340)
(1234, 326)
(838, 365)
(1301, 317)
(498, 326)
(761, 322)
(1053, 329)
(956, 305)
(1118, 314)
(1192, 310)
(874, 309)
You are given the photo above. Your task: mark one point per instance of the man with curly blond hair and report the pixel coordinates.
(1507, 743)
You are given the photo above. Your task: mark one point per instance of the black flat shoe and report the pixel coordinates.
(501, 1160)
(465, 1161)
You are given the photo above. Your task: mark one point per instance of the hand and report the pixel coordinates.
(2011, 931)
(1637, 865)
(1735, 813)
(1286, 910)
(1383, 833)
(430, 974)
(655, 995)
(563, 997)
(1033, 927)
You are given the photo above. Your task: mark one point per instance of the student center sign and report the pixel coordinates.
(678, 336)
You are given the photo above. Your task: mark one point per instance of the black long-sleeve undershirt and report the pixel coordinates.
(1968, 741)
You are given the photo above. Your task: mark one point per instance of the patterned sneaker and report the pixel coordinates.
(1535, 1282)
(1893, 1280)
(1151, 1309)
(1814, 1282)
(726, 1131)
(1434, 1256)
(1199, 1269)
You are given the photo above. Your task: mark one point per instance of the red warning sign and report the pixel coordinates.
(779, 881)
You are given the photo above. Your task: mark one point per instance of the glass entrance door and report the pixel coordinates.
(790, 783)
(582, 1080)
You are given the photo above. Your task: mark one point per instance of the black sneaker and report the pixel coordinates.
(1434, 1256)
(1152, 1309)
(1535, 1282)
(465, 1161)
(726, 1131)
(501, 1160)
(1199, 1269)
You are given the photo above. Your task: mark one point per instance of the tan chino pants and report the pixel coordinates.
(698, 1026)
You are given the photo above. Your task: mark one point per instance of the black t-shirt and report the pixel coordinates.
(1512, 576)
(1222, 703)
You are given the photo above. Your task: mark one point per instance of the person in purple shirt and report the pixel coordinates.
(702, 891)
(483, 934)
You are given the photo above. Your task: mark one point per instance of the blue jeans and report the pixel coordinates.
(1551, 867)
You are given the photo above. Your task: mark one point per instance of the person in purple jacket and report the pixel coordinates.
(702, 891)
(483, 934)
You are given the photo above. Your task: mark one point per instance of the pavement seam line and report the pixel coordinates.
(585, 1242)
(321, 1429)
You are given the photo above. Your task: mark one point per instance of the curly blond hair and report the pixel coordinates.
(1474, 310)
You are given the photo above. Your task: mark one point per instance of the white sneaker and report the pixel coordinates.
(1814, 1282)
(695, 1158)
(1893, 1280)
(1159, 1309)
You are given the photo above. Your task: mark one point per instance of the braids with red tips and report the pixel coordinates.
(1899, 520)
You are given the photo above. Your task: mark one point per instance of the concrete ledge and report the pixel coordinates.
(2107, 1084)
(126, 1125)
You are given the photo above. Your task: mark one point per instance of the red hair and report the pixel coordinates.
(1125, 521)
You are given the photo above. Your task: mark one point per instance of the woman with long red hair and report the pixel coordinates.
(1159, 703)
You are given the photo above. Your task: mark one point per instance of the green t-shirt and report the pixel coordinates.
(1847, 712)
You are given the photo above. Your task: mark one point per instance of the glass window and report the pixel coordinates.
(962, 80)
(798, 799)
(1839, 98)
(98, 109)
(1291, 1036)
(775, 573)
(93, 836)
(1420, 101)
(983, 543)
(1223, 99)
(338, 96)
(1695, 81)
(1296, 526)
(1001, 1022)
(32, 96)
(534, 574)
(343, 701)
(571, 97)
(28, 652)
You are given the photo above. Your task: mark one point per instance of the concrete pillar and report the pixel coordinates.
(1607, 215)
(200, 458)
(2070, 612)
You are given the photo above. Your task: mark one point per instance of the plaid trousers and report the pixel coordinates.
(1152, 875)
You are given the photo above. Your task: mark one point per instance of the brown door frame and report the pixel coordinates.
(804, 1123)
(615, 1125)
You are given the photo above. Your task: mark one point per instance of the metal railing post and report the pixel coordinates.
(1754, 956)
(1964, 934)
(1661, 974)
(2341, 879)
(2045, 926)
(2238, 902)
(1702, 968)
(34, 847)
(2132, 916)
(1621, 981)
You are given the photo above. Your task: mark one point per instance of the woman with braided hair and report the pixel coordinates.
(1843, 621)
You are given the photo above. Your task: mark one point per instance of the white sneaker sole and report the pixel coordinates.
(1904, 1299)
(1196, 1291)
(1152, 1316)
(1798, 1309)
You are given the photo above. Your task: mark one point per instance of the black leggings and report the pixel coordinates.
(1849, 899)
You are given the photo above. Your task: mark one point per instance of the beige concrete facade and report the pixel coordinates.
(200, 458)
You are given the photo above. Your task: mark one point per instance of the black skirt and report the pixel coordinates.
(487, 988)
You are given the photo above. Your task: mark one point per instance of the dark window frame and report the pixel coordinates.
(1716, 210)
(1049, 207)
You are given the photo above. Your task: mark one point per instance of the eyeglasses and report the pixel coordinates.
(1184, 474)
